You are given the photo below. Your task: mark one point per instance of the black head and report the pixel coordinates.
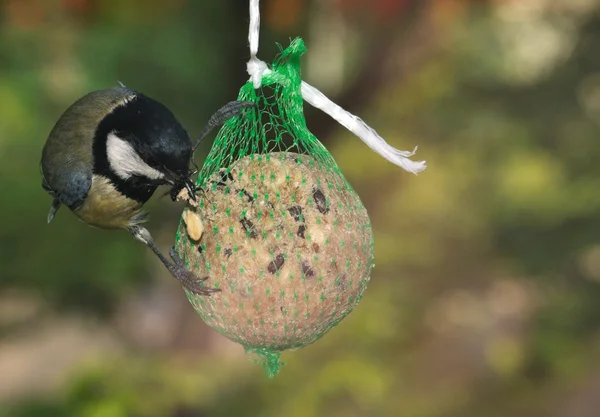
(140, 145)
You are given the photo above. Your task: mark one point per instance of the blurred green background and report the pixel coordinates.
(484, 298)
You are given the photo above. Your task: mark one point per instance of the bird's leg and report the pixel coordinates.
(177, 268)
(233, 108)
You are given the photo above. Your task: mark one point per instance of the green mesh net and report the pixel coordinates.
(285, 237)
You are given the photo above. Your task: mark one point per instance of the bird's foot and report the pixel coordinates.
(189, 279)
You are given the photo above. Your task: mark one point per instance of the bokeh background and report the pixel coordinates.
(485, 296)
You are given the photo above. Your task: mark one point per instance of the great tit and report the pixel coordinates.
(109, 152)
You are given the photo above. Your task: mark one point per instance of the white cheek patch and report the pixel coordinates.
(125, 161)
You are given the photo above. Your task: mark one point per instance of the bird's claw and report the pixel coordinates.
(188, 279)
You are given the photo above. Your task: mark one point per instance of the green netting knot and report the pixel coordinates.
(269, 359)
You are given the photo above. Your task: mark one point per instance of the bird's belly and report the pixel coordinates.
(107, 208)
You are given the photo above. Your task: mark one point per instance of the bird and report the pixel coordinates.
(109, 152)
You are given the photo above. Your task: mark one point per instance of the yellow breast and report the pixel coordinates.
(107, 208)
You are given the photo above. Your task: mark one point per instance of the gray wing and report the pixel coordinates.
(67, 157)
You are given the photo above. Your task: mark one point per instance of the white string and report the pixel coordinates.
(254, 27)
(257, 69)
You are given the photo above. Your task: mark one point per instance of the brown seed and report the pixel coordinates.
(316, 247)
(221, 183)
(342, 282)
(225, 176)
(247, 195)
(301, 230)
(249, 228)
(296, 213)
(276, 264)
(307, 270)
(320, 201)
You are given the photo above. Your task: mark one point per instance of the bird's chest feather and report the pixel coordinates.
(105, 207)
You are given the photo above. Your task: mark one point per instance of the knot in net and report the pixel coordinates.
(286, 238)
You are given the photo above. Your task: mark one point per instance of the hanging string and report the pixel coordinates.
(257, 69)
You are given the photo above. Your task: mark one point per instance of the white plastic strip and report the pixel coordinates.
(254, 27)
(257, 68)
(355, 125)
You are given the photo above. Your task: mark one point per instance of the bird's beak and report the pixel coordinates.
(191, 187)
